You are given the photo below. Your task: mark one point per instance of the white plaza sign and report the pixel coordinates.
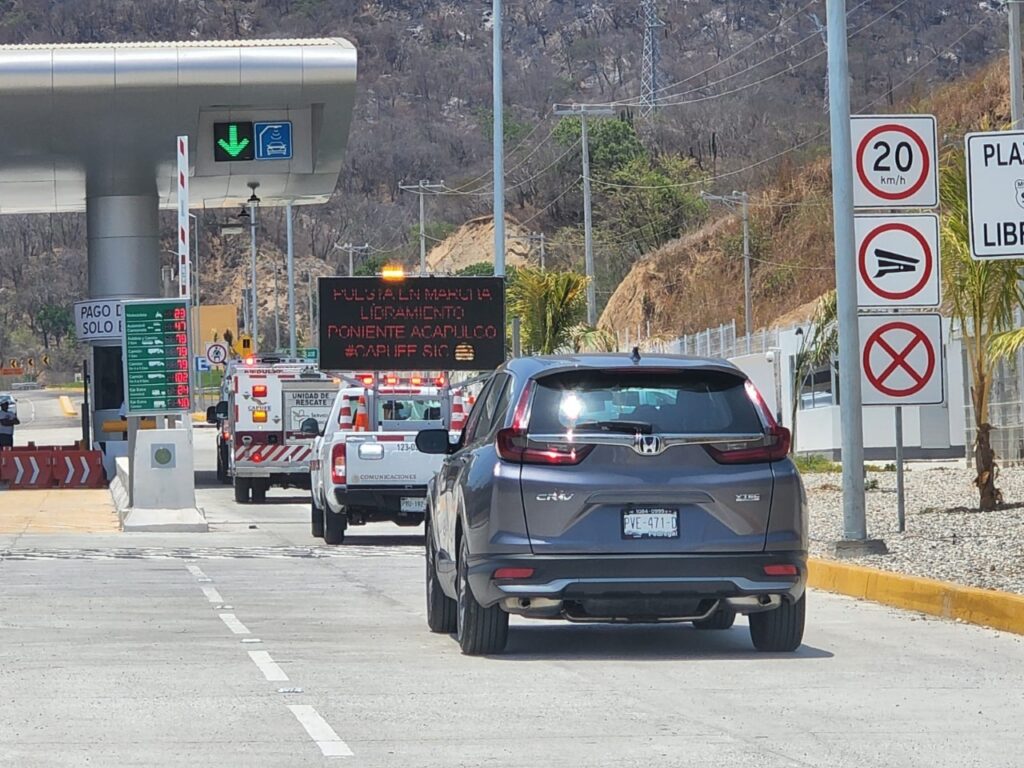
(894, 161)
(897, 261)
(995, 194)
(99, 320)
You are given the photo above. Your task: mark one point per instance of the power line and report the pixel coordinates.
(730, 57)
(552, 164)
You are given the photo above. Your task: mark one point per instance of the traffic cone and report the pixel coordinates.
(362, 421)
(458, 411)
(345, 417)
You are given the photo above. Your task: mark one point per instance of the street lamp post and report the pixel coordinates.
(254, 203)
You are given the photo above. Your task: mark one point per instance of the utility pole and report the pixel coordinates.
(1016, 94)
(649, 70)
(850, 409)
(583, 111)
(351, 250)
(498, 109)
(424, 187)
(743, 200)
(277, 315)
(292, 339)
(312, 317)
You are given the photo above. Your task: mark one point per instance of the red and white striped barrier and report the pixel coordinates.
(43, 468)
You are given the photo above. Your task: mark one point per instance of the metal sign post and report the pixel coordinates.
(901, 497)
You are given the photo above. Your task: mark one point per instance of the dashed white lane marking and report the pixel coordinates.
(320, 732)
(233, 623)
(196, 571)
(268, 667)
(212, 595)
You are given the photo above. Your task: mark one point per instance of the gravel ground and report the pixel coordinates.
(946, 537)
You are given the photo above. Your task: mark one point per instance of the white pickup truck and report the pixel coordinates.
(365, 465)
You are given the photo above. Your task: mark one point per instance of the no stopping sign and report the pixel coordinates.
(902, 360)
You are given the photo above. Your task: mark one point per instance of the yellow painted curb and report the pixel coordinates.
(985, 607)
(67, 406)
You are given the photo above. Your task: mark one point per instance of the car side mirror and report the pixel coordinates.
(310, 426)
(434, 442)
(211, 415)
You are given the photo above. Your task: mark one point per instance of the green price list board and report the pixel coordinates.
(156, 357)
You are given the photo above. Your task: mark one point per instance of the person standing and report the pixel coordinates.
(8, 421)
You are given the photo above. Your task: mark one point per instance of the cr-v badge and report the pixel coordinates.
(556, 496)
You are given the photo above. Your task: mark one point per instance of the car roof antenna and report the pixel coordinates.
(635, 357)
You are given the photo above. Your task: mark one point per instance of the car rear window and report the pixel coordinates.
(664, 402)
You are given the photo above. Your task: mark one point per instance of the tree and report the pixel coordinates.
(819, 346)
(982, 296)
(550, 305)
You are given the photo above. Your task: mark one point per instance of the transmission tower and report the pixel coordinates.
(649, 72)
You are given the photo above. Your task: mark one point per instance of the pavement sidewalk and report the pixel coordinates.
(58, 511)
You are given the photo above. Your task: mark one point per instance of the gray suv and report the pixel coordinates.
(610, 488)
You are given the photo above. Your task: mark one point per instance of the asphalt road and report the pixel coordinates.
(254, 646)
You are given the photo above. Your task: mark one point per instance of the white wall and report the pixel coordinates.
(819, 430)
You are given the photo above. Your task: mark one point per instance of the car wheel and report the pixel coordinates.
(259, 491)
(334, 527)
(316, 519)
(722, 618)
(781, 629)
(242, 487)
(222, 471)
(442, 611)
(225, 460)
(479, 630)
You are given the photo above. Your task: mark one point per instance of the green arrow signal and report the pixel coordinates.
(233, 146)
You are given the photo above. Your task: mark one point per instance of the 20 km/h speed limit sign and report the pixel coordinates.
(894, 158)
(902, 360)
(897, 261)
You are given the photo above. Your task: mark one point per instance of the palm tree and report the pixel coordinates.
(820, 347)
(550, 305)
(982, 296)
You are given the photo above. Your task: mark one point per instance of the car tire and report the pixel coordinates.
(480, 631)
(334, 527)
(243, 486)
(442, 611)
(259, 491)
(722, 618)
(226, 463)
(780, 630)
(316, 519)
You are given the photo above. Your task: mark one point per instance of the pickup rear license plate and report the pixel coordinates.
(650, 523)
(413, 504)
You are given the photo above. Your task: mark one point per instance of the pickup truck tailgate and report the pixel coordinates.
(390, 459)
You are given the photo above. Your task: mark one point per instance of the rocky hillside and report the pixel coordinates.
(741, 82)
(696, 282)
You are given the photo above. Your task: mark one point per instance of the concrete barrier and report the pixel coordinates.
(985, 607)
(67, 406)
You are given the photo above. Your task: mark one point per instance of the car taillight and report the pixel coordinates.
(774, 448)
(338, 464)
(513, 443)
(780, 569)
(776, 442)
(259, 390)
(259, 417)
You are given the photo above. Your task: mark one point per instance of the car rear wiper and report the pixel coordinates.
(626, 427)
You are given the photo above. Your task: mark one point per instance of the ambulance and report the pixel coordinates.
(273, 408)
